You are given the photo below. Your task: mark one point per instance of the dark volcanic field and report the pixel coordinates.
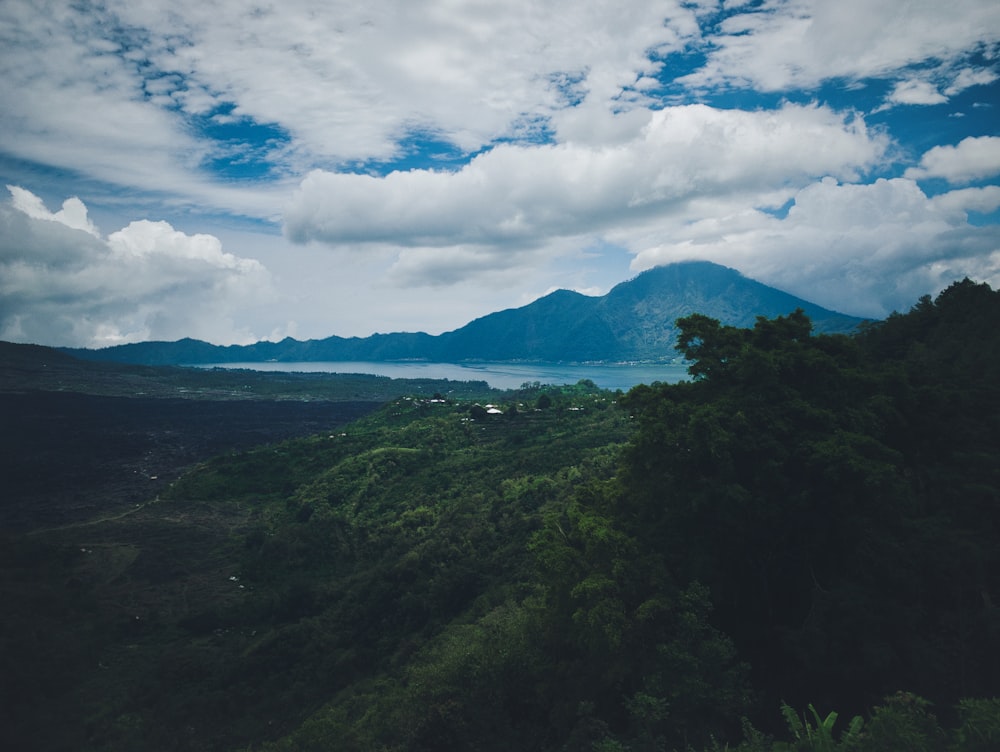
(66, 457)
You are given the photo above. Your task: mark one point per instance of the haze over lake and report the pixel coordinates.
(497, 375)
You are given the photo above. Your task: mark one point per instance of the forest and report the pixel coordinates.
(798, 548)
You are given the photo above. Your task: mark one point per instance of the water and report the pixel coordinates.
(497, 375)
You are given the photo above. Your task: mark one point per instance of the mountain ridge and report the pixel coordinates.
(634, 321)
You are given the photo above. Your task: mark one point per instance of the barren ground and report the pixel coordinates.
(66, 457)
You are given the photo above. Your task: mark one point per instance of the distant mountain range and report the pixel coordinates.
(635, 321)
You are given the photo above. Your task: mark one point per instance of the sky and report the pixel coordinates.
(235, 171)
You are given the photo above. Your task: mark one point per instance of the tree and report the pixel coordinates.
(787, 478)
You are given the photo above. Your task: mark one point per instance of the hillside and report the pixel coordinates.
(83, 438)
(635, 321)
(812, 519)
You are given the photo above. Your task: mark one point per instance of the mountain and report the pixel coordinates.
(634, 321)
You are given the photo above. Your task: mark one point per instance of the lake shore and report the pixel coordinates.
(504, 375)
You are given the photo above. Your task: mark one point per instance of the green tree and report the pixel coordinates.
(787, 478)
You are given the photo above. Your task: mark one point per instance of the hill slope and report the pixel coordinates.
(813, 522)
(634, 321)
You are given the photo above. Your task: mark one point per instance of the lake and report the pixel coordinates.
(497, 375)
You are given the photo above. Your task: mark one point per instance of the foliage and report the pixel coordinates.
(837, 495)
(903, 723)
(811, 517)
(979, 729)
(816, 734)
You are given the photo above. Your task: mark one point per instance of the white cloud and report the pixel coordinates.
(982, 200)
(112, 86)
(347, 80)
(73, 213)
(149, 240)
(862, 249)
(78, 93)
(68, 97)
(969, 77)
(972, 159)
(110, 91)
(515, 198)
(788, 44)
(62, 284)
(914, 91)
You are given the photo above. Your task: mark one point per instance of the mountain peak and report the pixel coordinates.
(675, 276)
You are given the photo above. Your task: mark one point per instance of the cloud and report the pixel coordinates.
(86, 102)
(974, 158)
(914, 91)
(862, 249)
(982, 200)
(345, 81)
(969, 77)
(60, 283)
(444, 267)
(153, 96)
(517, 197)
(73, 213)
(80, 93)
(781, 45)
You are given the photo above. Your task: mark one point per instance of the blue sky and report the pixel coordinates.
(235, 171)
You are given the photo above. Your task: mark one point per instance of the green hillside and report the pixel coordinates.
(808, 525)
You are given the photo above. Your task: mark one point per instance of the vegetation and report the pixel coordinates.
(794, 550)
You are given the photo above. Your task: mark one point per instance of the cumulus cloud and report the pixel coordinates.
(517, 197)
(864, 249)
(61, 283)
(973, 158)
(73, 213)
(982, 200)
